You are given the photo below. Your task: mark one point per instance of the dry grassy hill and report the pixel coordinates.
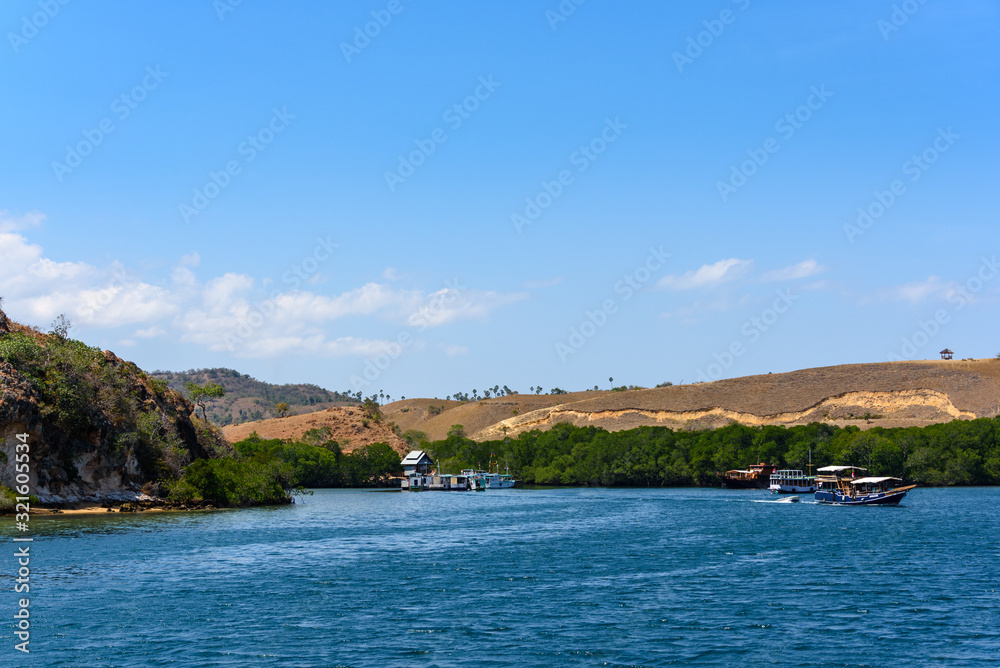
(890, 394)
(347, 426)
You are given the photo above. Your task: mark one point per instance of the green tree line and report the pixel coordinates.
(264, 471)
(955, 453)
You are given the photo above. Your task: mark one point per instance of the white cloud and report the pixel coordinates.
(450, 304)
(150, 332)
(452, 350)
(707, 275)
(932, 287)
(183, 276)
(233, 312)
(315, 345)
(192, 259)
(10, 223)
(801, 270)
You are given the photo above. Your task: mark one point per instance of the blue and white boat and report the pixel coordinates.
(487, 480)
(792, 481)
(842, 486)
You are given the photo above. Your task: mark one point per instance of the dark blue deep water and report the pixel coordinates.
(589, 577)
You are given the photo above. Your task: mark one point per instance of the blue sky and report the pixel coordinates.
(514, 193)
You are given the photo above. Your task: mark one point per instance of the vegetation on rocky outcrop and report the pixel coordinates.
(101, 429)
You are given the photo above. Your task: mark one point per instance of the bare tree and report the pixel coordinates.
(61, 326)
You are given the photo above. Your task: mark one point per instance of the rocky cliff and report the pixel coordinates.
(98, 428)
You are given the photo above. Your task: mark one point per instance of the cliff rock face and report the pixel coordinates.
(97, 428)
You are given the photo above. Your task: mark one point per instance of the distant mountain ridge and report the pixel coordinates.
(248, 399)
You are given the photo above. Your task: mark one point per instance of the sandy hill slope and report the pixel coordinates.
(347, 426)
(475, 416)
(890, 394)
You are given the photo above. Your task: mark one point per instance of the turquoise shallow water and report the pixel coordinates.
(590, 577)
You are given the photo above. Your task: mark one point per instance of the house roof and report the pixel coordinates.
(946, 352)
(416, 457)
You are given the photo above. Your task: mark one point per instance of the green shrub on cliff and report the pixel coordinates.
(23, 352)
(8, 500)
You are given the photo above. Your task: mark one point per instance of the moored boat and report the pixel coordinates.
(840, 485)
(416, 482)
(419, 475)
(755, 476)
(486, 480)
(792, 481)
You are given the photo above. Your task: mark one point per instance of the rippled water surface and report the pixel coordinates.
(593, 577)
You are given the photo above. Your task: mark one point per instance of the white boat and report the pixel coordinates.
(792, 481)
(486, 480)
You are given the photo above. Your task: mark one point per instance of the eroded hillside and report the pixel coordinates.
(886, 394)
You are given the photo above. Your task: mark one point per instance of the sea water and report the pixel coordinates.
(523, 577)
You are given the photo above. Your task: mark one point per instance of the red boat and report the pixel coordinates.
(756, 476)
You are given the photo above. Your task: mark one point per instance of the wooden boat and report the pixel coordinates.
(841, 485)
(755, 476)
(792, 481)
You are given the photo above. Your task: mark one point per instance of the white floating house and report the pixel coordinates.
(417, 461)
(418, 475)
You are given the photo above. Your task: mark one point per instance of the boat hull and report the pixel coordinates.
(791, 489)
(880, 499)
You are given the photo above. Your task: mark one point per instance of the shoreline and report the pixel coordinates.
(123, 507)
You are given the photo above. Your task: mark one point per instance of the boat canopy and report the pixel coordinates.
(860, 481)
(835, 469)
